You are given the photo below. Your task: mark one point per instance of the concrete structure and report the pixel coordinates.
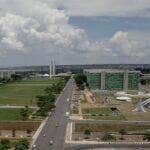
(112, 79)
(52, 68)
(128, 99)
(140, 105)
(6, 73)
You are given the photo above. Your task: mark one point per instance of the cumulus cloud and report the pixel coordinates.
(32, 25)
(130, 46)
(121, 43)
(36, 31)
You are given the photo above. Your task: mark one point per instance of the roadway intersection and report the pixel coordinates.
(55, 129)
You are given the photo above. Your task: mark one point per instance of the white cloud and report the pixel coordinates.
(32, 25)
(107, 7)
(34, 31)
(121, 42)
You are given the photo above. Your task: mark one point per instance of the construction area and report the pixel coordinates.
(112, 79)
(111, 103)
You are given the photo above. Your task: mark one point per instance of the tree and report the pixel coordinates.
(24, 112)
(87, 133)
(80, 79)
(4, 144)
(29, 131)
(16, 77)
(55, 88)
(122, 132)
(147, 137)
(108, 137)
(45, 103)
(23, 144)
(13, 132)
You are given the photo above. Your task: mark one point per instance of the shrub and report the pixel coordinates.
(108, 137)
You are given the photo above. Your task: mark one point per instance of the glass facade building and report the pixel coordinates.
(112, 79)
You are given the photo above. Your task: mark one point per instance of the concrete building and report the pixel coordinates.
(112, 79)
(6, 73)
(52, 69)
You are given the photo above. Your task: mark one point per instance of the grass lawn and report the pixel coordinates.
(93, 111)
(103, 113)
(9, 114)
(81, 127)
(74, 111)
(23, 92)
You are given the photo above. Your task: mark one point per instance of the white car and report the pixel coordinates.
(57, 125)
(34, 146)
(51, 142)
(67, 99)
(67, 114)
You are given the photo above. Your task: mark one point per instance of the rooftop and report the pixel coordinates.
(108, 70)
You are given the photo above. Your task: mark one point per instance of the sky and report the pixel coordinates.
(33, 32)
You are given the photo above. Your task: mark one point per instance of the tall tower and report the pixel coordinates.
(53, 63)
(52, 69)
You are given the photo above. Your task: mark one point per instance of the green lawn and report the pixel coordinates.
(103, 113)
(93, 111)
(9, 114)
(81, 127)
(23, 92)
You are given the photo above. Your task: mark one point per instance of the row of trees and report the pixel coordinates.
(25, 113)
(110, 137)
(47, 101)
(22, 144)
(81, 80)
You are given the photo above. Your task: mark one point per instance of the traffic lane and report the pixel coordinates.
(59, 138)
(47, 131)
(44, 144)
(60, 134)
(42, 141)
(55, 129)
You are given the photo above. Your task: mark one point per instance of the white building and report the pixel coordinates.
(6, 73)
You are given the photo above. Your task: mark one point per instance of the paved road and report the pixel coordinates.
(56, 134)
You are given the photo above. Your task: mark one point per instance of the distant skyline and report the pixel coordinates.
(33, 32)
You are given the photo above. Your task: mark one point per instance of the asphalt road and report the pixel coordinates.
(51, 131)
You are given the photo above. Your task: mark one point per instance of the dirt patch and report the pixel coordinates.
(33, 126)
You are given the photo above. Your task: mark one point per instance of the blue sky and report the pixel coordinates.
(33, 32)
(103, 27)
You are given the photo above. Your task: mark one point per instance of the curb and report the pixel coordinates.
(38, 131)
(107, 143)
(68, 132)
